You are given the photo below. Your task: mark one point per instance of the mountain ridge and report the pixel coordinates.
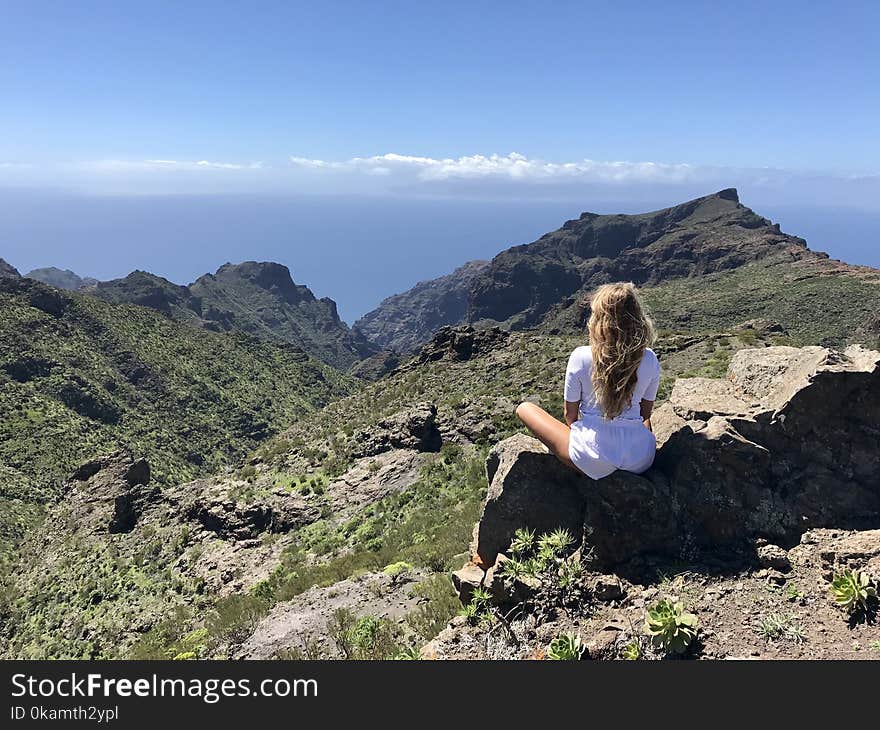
(258, 298)
(8, 270)
(529, 285)
(61, 278)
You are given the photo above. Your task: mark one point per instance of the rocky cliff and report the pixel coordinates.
(405, 321)
(8, 270)
(258, 298)
(787, 443)
(749, 474)
(672, 253)
(705, 235)
(61, 278)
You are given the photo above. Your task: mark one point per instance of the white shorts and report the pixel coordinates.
(598, 447)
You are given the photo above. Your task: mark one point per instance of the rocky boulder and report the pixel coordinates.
(789, 442)
(110, 493)
(414, 428)
(301, 627)
(459, 343)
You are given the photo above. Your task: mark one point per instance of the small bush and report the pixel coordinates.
(374, 638)
(235, 617)
(247, 472)
(480, 607)
(633, 651)
(549, 560)
(395, 570)
(339, 628)
(777, 626)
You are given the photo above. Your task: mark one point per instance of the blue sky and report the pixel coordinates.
(574, 105)
(750, 84)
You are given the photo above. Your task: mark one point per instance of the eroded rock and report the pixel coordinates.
(787, 443)
(111, 492)
(414, 428)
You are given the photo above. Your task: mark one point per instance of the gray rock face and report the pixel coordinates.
(458, 344)
(8, 270)
(788, 443)
(526, 489)
(414, 428)
(110, 493)
(61, 278)
(302, 624)
(405, 321)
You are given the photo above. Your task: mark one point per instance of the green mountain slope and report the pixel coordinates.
(815, 301)
(79, 376)
(258, 298)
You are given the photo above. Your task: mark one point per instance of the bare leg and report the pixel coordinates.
(551, 432)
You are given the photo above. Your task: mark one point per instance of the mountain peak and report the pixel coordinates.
(697, 237)
(522, 285)
(61, 278)
(267, 275)
(8, 270)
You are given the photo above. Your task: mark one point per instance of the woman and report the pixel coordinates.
(610, 387)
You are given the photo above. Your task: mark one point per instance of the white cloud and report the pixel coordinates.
(469, 177)
(514, 167)
(135, 165)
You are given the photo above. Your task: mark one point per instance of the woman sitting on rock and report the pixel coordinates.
(610, 387)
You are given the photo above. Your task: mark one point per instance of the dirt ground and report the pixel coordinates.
(731, 605)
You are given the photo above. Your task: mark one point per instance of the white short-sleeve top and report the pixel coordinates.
(579, 387)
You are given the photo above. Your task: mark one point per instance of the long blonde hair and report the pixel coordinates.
(619, 330)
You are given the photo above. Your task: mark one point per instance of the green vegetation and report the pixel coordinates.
(634, 650)
(395, 570)
(85, 607)
(566, 647)
(777, 626)
(852, 590)
(553, 568)
(837, 306)
(80, 377)
(479, 610)
(231, 620)
(401, 528)
(371, 637)
(670, 628)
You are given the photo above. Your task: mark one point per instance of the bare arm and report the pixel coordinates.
(646, 407)
(572, 411)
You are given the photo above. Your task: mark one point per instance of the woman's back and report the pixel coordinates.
(579, 385)
(610, 387)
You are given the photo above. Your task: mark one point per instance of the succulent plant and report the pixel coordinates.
(523, 543)
(633, 650)
(566, 647)
(852, 589)
(670, 628)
